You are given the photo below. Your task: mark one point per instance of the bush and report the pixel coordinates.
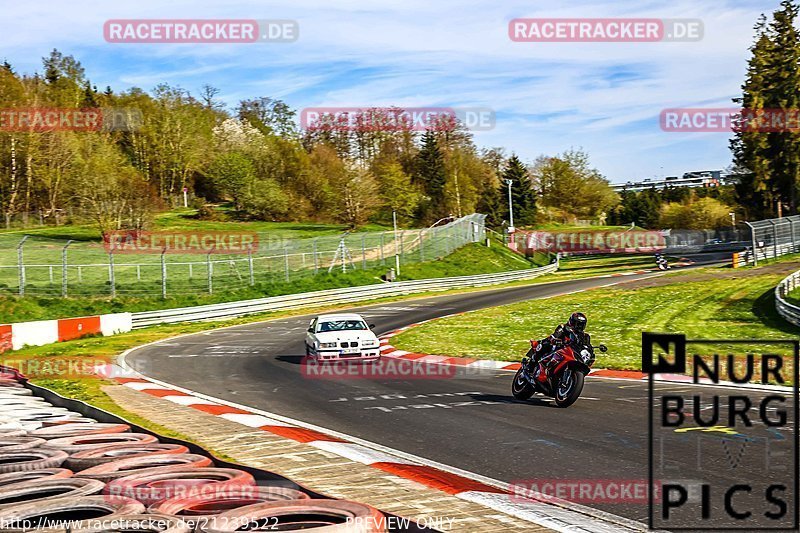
(207, 212)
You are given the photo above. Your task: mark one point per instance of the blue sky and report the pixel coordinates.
(549, 97)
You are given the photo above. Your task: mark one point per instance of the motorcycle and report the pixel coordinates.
(559, 375)
(661, 262)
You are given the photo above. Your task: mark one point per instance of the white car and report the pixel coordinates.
(342, 336)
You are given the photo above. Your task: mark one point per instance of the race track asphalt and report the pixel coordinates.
(468, 421)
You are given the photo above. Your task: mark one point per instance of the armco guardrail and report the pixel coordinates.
(791, 313)
(332, 296)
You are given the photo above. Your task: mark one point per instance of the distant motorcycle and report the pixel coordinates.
(661, 262)
(559, 375)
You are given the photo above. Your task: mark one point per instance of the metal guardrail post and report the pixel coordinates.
(21, 265)
(64, 269)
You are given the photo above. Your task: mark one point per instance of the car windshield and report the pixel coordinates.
(342, 325)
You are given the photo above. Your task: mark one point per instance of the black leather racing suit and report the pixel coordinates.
(558, 339)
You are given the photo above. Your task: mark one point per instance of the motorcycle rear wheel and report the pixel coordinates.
(520, 388)
(568, 393)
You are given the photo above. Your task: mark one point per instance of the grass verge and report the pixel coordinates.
(705, 303)
(467, 260)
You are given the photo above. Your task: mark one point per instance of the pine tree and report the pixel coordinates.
(492, 205)
(431, 176)
(523, 197)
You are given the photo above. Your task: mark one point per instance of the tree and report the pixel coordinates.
(523, 197)
(232, 174)
(696, 213)
(570, 188)
(431, 176)
(358, 195)
(396, 190)
(768, 162)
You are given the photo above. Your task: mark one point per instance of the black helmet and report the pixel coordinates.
(577, 322)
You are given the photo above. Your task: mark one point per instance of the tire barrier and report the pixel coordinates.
(14, 444)
(47, 489)
(33, 459)
(46, 515)
(77, 429)
(94, 441)
(151, 487)
(96, 456)
(149, 464)
(45, 473)
(65, 472)
(199, 510)
(139, 523)
(329, 516)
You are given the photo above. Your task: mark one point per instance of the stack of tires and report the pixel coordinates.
(61, 472)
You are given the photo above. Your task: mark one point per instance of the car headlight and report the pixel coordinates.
(585, 356)
(327, 345)
(369, 343)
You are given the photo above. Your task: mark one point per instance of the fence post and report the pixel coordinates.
(286, 262)
(139, 271)
(210, 270)
(111, 279)
(164, 273)
(753, 236)
(774, 239)
(363, 252)
(316, 259)
(64, 269)
(250, 264)
(21, 265)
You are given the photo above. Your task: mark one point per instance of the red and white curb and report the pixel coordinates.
(560, 516)
(387, 350)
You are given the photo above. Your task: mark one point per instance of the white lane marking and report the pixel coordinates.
(135, 385)
(400, 456)
(188, 400)
(549, 515)
(357, 452)
(253, 421)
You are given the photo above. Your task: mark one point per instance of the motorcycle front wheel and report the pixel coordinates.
(569, 388)
(520, 388)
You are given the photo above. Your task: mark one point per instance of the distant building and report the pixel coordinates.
(697, 178)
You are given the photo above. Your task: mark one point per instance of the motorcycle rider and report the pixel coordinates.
(575, 325)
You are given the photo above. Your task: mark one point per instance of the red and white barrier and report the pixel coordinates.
(41, 332)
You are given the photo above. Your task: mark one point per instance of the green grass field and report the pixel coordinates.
(714, 302)
(470, 259)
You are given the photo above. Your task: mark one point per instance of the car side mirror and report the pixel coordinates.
(372, 326)
(602, 348)
(310, 330)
